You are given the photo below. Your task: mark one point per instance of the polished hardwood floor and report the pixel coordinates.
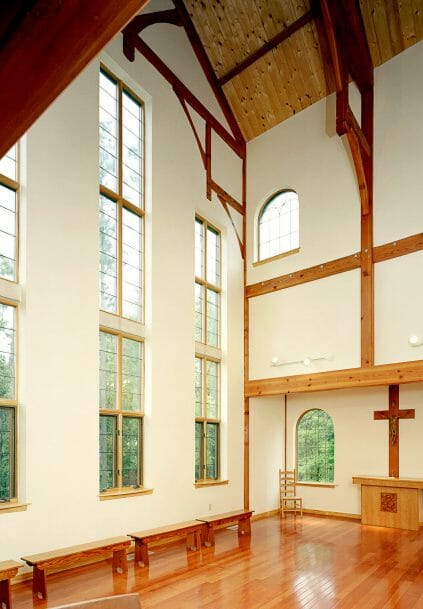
(313, 563)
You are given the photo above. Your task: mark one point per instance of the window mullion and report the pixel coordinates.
(119, 418)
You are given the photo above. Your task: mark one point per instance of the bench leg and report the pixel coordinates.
(5, 594)
(207, 535)
(193, 541)
(120, 562)
(141, 554)
(39, 583)
(244, 527)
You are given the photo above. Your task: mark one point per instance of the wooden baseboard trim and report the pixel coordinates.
(263, 515)
(324, 513)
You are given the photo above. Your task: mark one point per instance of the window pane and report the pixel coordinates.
(278, 225)
(315, 447)
(8, 164)
(8, 231)
(199, 299)
(108, 130)
(212, 318)
(131, 451)
(212, 450)
(108, 370)
(108, 254)
(7, 453)
(7, 351)
(212, 389)
(199, 248)
(198, 387)
(132, 265)
(132, 150)
(107, 452)
(199, 450)
(131, 374)
(213, 257)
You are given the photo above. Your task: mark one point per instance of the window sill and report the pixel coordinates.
(108, 495)
(318, 484)
(204, 483)
(13, 506)
(277, 257)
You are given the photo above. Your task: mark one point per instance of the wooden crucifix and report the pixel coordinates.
(393, 415)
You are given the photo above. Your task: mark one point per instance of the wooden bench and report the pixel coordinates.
(8, 570)
(191, 530)
(68, 557)
(210, 523)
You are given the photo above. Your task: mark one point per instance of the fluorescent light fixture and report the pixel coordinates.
(305, 362)
(415, 341)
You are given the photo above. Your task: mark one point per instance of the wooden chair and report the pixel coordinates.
(289, 502)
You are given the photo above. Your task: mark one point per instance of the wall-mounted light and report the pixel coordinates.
(415, 341)
(306, 361)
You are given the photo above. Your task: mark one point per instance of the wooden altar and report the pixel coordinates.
(390, 502)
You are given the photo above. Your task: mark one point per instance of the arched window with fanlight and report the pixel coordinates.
(278, 225)
(315, 447)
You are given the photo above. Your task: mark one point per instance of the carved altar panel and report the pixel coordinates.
(394, 507)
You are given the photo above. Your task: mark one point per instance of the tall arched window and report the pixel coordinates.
(278, 226)
(315, 447)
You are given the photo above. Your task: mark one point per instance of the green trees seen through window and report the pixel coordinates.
(315, 447)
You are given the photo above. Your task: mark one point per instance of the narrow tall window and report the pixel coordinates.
(121, 411)
(207, 283)
(315, 447)
(207, 418)
(207, 334)
(121, 139)
(8, 402)
(278, 225)
(9, 191)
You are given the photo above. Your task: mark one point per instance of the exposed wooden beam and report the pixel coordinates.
(204, 62)
(51, 44)
(326, 269)
(227, 197)
(401, 247)
(372, 376)
(132, 41)
(268, 46)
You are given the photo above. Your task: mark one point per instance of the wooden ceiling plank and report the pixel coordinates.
(407, 25)
(52, 35)
(394, 25)
(417, 8)
(366, 11)
(382, 30)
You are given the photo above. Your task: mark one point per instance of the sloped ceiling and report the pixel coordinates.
(296, 73)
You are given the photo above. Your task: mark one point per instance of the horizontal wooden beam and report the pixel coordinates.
(50, 44)
(222, 194)
(333, 267)
(372, 376)
(401, 247)
(268, 46)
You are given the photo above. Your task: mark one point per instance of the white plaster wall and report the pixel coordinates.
(58, 453)
(304, 153)
(361, 443)
(398, 179)
(316, 319)
(266, 452)
(398, 308)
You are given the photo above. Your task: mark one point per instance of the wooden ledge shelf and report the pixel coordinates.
(211, 483)
(13, 506)
(125, 493)
(318, 484)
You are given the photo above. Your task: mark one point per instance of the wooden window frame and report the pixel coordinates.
(123, 203)
(120, 414)
(14, 404)
(15, 186)
(207, 285)
(285, 253)
(312, 482)
(205, 420)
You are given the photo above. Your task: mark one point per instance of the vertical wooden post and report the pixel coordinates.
(208, 162)
(246, 344)
(367, 266)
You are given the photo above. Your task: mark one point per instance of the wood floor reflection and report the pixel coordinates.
(313, 563)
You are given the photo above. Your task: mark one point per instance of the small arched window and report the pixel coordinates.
(315, 447)
(278, 225)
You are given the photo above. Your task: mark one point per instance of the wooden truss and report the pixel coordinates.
(233, 138)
